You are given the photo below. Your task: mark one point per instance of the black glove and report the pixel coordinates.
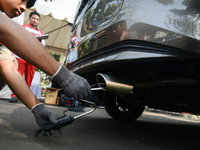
(74, 85)
(43, 117)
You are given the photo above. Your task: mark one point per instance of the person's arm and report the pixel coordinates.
(43, 42)
(18, 85)
(15, 81)
(24, 44)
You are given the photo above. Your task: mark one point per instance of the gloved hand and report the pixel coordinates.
(43, 117)
(74, 85)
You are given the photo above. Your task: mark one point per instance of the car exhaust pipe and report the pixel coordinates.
(114, 84)
(125, 87)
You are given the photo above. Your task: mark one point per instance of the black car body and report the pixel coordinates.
(151, 47)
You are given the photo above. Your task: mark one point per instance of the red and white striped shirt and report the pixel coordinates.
(34, 31)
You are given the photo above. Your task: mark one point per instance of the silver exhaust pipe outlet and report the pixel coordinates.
(114, 84)
(123, 86)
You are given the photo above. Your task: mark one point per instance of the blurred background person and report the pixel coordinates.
(23, 66)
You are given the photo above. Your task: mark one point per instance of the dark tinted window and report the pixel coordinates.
(101, 11)
(83, 7)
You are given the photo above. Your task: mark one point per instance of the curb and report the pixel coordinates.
(184, 115)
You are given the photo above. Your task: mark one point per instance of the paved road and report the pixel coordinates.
(97, 131)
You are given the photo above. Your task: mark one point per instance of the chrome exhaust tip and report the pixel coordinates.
(114, 84)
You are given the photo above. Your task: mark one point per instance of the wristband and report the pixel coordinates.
(59, 67)
(35, 106)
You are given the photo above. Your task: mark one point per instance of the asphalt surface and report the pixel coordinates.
(98, 131)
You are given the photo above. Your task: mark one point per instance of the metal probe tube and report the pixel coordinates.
(83, 114)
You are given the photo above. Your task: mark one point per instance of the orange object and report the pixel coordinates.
(57, 101)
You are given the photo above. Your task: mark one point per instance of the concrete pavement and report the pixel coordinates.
(96, 131)
(17, 125)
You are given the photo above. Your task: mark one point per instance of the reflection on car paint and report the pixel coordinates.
(176, 22)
